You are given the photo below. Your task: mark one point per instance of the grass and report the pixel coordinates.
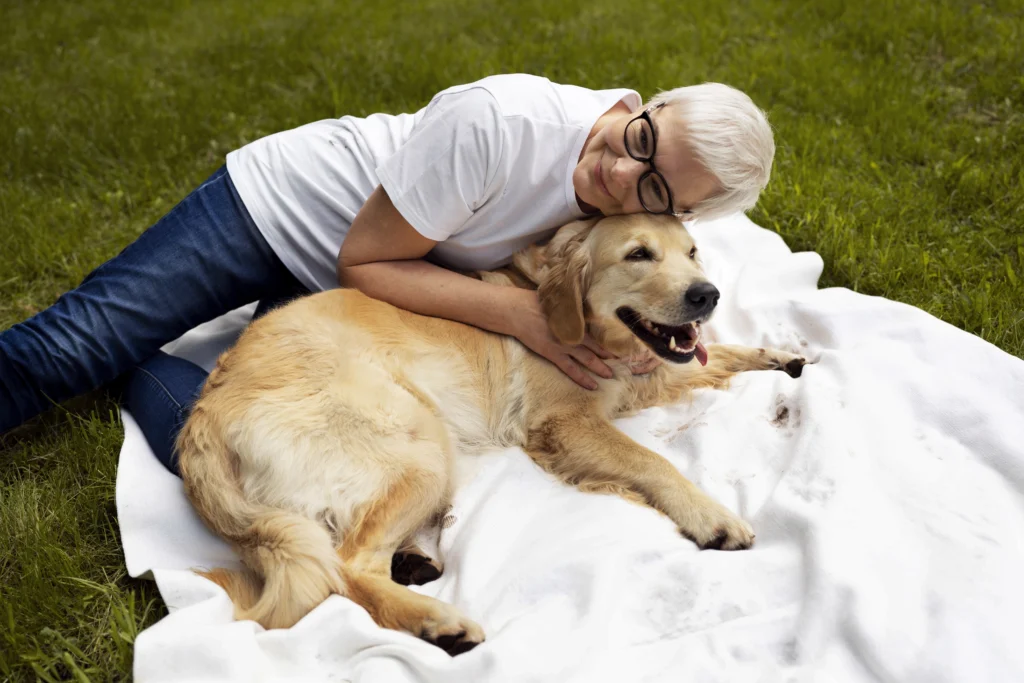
(899, 126)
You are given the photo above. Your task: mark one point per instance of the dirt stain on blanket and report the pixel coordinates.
(781, 416)
(784, 416)
(672, 433)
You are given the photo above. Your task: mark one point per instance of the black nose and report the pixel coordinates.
(702, 297)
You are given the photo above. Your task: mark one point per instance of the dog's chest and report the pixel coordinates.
(475, 428)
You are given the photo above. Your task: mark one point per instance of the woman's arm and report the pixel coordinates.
(382, 256)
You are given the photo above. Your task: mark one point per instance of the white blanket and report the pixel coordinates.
(885, 487)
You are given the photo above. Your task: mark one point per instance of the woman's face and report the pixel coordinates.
(606, 176)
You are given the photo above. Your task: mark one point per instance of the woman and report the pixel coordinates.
(482, 171)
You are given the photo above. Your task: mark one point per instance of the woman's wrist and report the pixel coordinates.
(518, 306)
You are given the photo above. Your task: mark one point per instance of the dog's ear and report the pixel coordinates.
(533, 261)
(564, 280)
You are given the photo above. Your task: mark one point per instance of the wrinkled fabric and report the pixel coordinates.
(884, 485)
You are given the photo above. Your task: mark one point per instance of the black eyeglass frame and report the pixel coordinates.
(646, 115)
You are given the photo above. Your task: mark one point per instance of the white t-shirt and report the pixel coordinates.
(484, 169)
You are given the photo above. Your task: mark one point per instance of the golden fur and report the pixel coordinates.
(324, 439)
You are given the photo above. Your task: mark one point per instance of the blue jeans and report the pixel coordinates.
(160, 391)
(204, 258)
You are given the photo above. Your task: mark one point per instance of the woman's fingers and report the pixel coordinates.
(590, 360)
(571, 368)
(598, 350)
(534, 332)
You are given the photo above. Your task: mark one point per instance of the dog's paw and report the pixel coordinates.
(789, 363)
(411, 569)
(715, 528)
(452, 632)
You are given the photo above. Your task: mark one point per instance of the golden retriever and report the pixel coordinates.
(325, 438)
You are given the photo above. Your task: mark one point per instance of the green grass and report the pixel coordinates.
(899, 126)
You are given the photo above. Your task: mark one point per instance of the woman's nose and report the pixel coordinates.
(626, 171)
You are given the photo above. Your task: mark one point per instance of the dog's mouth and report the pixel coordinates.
(674, 343)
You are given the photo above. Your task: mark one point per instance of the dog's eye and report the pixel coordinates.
(693, 252)
(640, 254)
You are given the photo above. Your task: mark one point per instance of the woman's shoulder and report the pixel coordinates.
(537, 97)
(513, 94)
(500, 84)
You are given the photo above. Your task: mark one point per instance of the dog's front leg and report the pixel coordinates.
(724, 361)
(592, 454)
(733, 359)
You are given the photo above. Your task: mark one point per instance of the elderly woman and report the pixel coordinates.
(483, 170)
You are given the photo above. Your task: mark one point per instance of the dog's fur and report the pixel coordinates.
(324, 439)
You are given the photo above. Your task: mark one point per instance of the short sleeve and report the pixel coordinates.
(448, 168)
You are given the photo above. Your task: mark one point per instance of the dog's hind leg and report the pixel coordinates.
(412, 566)
(381, 528)
(417, 560)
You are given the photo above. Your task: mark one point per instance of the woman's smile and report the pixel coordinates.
(599, 175)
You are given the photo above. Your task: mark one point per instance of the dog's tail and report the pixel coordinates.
(291, 563)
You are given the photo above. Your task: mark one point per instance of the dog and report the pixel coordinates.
(325, 438)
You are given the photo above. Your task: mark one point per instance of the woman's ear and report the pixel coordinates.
(564, 281)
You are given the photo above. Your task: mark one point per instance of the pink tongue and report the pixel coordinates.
(701, 353)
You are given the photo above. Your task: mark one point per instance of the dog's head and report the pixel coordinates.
(632, 281)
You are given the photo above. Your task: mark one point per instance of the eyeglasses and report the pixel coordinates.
(641, 144)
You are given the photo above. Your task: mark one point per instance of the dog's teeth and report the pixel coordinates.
(672, 343)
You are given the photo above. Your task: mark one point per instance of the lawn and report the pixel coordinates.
(900, 131)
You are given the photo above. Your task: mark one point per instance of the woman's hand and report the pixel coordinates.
(531, 328)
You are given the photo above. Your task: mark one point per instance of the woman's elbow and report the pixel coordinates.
(346, 273)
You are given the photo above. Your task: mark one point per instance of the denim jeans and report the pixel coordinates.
(160, 391)
(204, 258)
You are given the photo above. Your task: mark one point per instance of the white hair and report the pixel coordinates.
(731, 137)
